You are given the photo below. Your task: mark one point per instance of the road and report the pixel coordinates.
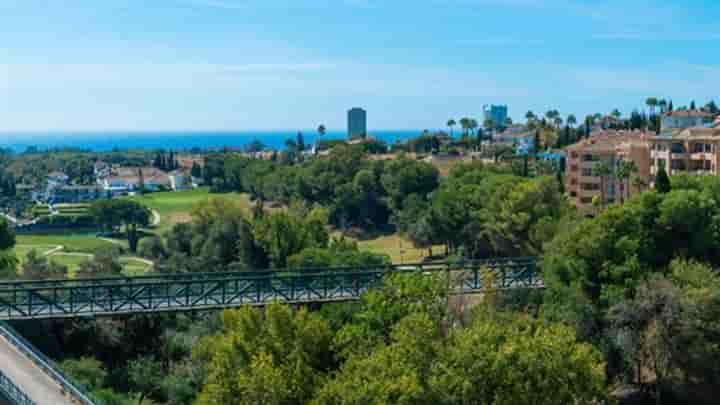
(29, 378)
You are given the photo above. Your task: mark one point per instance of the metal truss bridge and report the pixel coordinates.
(29, 378)
(194, 291)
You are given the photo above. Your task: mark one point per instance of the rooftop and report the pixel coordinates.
(609, 140)
(689, 114)
(697, 133)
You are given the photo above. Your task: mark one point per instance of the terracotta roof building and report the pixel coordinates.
(682, 119)
(586, 188)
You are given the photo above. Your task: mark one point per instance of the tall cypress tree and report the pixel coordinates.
(662, 181)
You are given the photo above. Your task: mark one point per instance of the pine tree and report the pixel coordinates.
(300, 142)
(692, 105)
(196, 170)
(662, 181)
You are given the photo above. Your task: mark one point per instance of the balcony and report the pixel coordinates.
(702, 156)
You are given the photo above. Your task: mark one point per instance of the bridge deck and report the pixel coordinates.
(195, 291)
(33, 381)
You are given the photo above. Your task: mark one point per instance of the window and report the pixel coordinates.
(573, 194)
(590, 186)
(677, 148)
(589, 158)
(573, 168)
(573, 155)
(708, 165)
(702, 148)
(586, 200)
(587, 172)
(677, 164)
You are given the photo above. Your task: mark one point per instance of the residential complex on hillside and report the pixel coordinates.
(110, 181)
(586, 186)
(682, 119)
(694, 150)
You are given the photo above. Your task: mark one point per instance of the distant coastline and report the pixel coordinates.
(175, 140)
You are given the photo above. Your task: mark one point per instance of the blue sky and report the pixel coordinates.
(271, 64)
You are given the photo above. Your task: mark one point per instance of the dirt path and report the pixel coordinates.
(54, 250)
(113, 241)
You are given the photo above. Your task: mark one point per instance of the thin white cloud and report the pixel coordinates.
(664, 36)
(272, 68)
(150, 76)
(222, 4)
(501, 42)
(250, 4)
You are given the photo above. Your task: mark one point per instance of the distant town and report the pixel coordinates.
(675, 140)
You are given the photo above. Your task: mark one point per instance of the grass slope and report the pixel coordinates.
(398, 248)
(72, 243)
(175, 207)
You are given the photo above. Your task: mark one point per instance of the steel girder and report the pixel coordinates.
(188, 291)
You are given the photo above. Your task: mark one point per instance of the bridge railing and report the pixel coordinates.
(194, 276)
(12, 392)
(174, 292)
(74, 390)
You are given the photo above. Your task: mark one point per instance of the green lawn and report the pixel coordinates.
(175, 207)
(134, 267)
(22, 251)
(72, 243)
(131, 266)
(399, 249)
(71, 262)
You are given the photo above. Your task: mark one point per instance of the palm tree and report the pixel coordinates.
(531, 119)
(623, 172)
(571, 120)
(489, 123)
(558, 122)
(451, 123)
(472, 125)
(663, 106)
(603, 171)
(651, 102)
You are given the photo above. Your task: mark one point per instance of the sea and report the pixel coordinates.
(175, 140)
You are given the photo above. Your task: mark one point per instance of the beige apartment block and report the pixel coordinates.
(586, 188)
(693, 150)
